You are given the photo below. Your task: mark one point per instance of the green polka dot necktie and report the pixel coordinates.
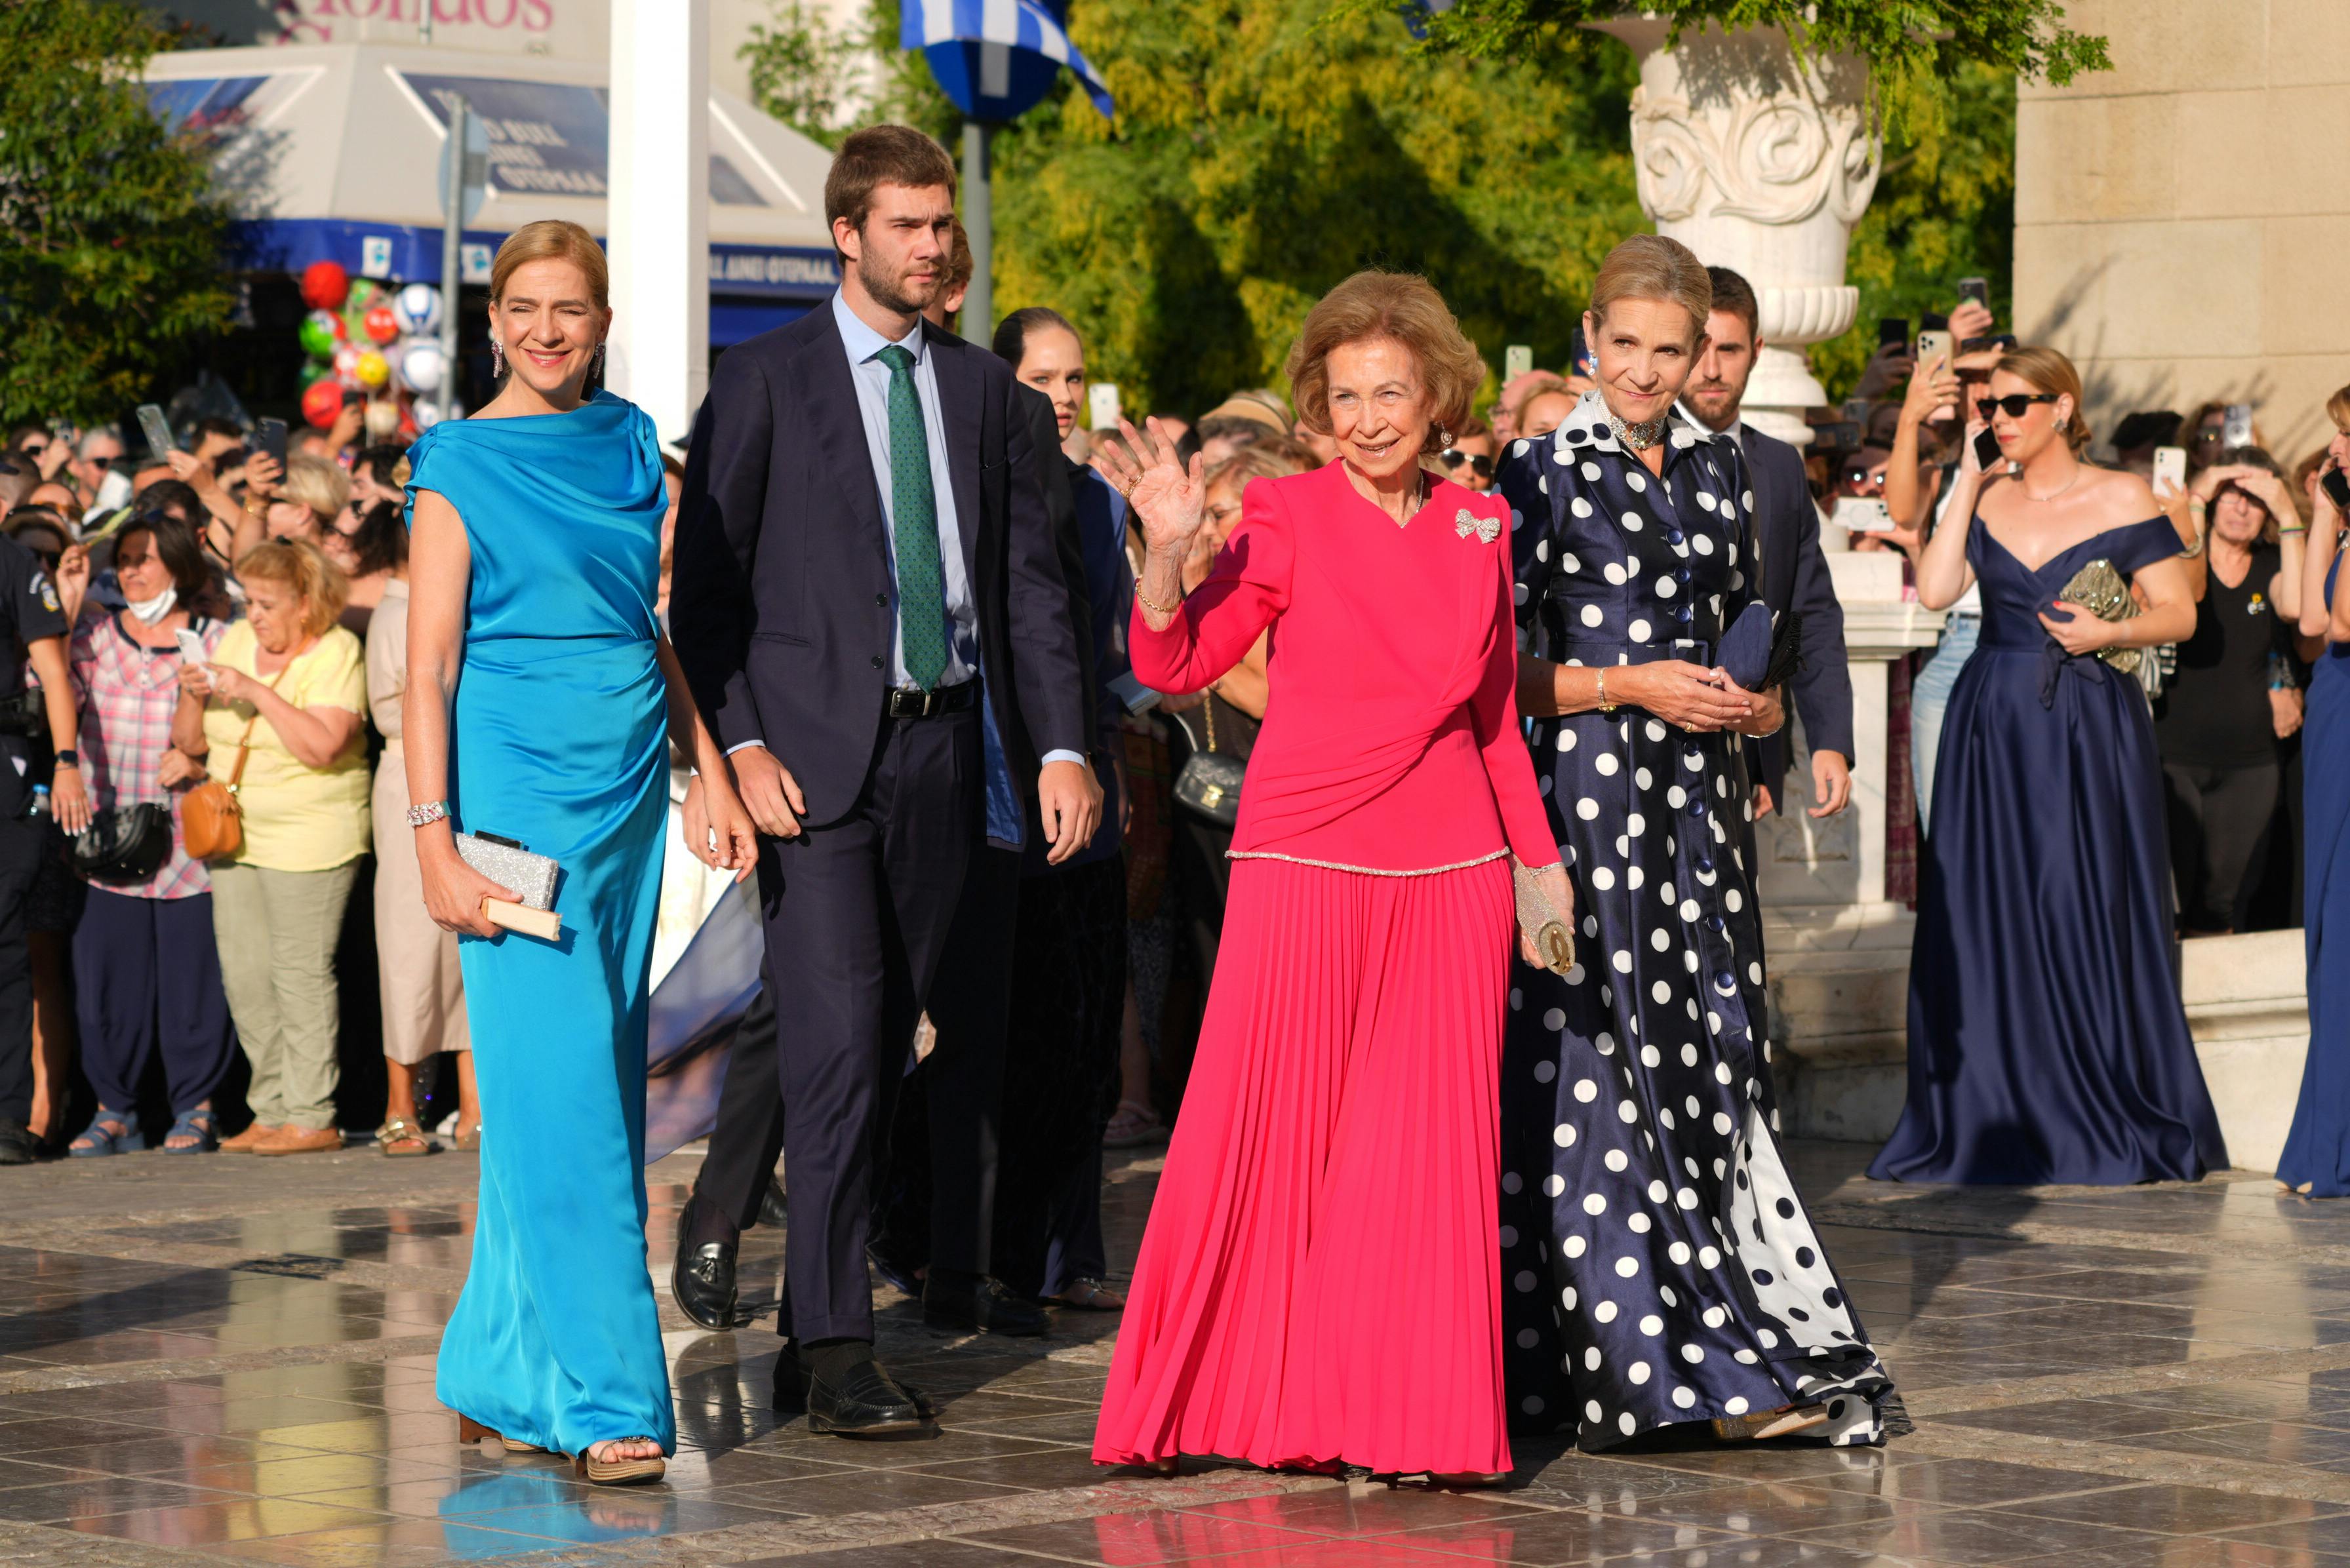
(921, 584)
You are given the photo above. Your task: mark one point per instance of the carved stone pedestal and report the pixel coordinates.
(1761, 166)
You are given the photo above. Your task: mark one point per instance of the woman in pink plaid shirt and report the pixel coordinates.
(147, 968)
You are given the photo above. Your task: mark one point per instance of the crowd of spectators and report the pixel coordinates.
(200, 1002)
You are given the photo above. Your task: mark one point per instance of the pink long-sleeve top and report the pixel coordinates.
(1390, 742)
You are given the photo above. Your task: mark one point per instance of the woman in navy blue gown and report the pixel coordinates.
(1657, 1265)
(2316, 1159)
(2047, 1042)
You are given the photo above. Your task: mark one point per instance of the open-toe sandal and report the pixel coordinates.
(618, 1472)
(470, 1431)
(199, 1125)
(95, 1142)
(401, 1138)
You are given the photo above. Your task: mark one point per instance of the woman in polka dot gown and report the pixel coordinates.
(1657, 1265)
(1317, 1286)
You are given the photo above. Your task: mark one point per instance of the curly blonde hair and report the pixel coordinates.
(302, 567)
(1394, 305)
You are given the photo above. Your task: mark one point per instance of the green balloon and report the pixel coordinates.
(318, 337)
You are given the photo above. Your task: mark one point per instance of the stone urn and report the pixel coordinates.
(1761, 165)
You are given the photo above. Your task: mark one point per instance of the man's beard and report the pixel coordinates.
(890, 292)
(1712, 402)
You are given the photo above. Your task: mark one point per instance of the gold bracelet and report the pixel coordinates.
(1146, 602)
(1601, 676)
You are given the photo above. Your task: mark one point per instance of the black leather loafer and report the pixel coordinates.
(773, 1212)
(976, 1303)
(701, 1277)
(791, 1380)
(866, 1403)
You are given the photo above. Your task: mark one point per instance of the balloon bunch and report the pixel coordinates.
(362, 336)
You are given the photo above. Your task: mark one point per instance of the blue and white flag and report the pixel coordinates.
(996, 58)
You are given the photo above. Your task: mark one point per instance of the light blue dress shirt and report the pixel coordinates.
(872, 380)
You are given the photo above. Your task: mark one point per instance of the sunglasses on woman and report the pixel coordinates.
(2013, 404)
(1479, 463)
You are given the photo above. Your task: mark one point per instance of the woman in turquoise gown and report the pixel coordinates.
(541, 693)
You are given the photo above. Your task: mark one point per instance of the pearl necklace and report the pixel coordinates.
(1638, 437)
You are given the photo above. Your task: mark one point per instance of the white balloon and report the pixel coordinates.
(417, 307)
(426, 415)
(421, 367)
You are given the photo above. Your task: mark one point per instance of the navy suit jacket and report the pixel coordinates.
(780, 597)
(1795, 576)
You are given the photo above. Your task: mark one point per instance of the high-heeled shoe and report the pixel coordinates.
(618, 1472)
(1756, 1426)
(470, 1431)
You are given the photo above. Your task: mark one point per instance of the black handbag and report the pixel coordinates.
(126, 843)
(1208, 783)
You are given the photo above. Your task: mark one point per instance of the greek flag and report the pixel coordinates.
(998, 28)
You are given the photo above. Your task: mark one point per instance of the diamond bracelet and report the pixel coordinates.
(431, 811)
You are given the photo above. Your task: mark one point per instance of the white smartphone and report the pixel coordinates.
(1932, 344)
(2169, 476)
(1864, 514)
(1102, 405)
(1517, 359)
(191, 647)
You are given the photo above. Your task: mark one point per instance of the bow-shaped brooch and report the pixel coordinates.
(1487, 529)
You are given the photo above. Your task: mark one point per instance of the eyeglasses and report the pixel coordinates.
(1479, 463)
(2013, 404)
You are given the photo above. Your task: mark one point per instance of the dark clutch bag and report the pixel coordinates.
(1761, 650)
(1210, 784)
(124, 844)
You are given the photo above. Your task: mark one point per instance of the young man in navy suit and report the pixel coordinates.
(1795, 572)
(866, 599)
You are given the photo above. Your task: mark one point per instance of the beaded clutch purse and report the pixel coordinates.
(531, 877)
(2104, 593)
(1541, 920)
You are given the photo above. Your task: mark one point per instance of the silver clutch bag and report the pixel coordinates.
(2102, 591)
(509, 865)
(1541, 920)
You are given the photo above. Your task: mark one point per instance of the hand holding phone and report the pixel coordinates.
(1517, 359)
(2169, 474)
(157, 429)
(1102, 409)
(2336, 485)
(269, 436)
(1987, 455)
(191, 647)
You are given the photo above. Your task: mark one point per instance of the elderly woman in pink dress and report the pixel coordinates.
(1319, 1286)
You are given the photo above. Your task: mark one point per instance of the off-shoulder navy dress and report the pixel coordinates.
(2047, 1042)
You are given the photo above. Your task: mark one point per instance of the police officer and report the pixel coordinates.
(30, 617)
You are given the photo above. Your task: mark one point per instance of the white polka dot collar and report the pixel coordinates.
(1586, 429)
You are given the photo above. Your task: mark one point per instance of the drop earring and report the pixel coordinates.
(497, 360)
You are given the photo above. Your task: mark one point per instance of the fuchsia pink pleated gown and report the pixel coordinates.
(1319, 1282)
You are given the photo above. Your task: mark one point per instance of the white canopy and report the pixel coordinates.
(334, 151)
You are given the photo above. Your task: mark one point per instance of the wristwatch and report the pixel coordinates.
(69, 758)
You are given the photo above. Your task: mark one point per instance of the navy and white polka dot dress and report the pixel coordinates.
(1657, 1265)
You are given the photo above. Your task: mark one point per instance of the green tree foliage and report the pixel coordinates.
(1261, 153)
(1914, 46)
(803, 69)
(1944, 210)
(111, 232)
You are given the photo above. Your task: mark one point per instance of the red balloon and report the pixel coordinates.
(322, 400)
(381, 325)
(325, 285)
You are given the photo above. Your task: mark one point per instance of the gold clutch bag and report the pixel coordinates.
(1540, 919)
(2102, 591)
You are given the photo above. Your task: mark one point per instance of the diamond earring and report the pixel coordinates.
(497, 360)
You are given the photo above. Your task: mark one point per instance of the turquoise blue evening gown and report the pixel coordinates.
(557, 739)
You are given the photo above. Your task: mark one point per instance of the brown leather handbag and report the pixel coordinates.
(212, 823)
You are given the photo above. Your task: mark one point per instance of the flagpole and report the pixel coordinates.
(979, 227)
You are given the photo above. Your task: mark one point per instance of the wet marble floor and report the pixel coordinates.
(231, 1360)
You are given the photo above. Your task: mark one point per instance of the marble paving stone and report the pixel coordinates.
(231, 1363)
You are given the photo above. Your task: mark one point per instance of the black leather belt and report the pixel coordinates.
(904, 705)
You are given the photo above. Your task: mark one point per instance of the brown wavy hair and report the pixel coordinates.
(1386, 305)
